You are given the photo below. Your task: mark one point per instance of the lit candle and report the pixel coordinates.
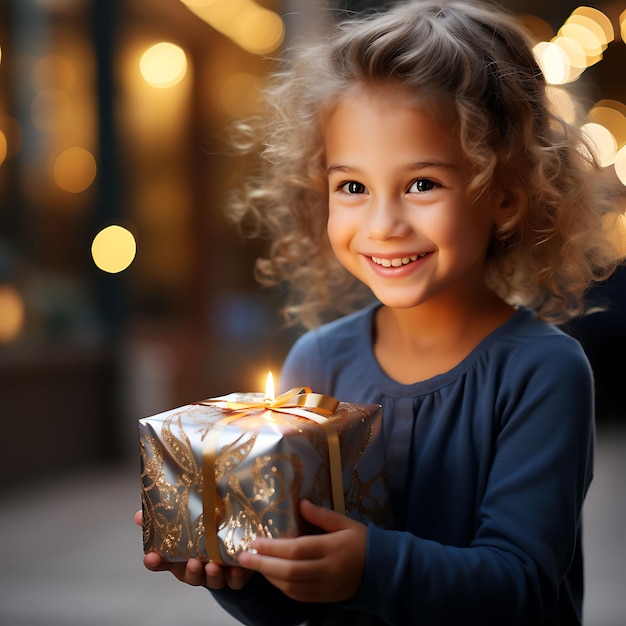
(269, 387)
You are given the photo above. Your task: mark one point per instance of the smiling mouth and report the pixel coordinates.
(399, 261)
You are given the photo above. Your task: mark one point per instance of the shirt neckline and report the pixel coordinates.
(392, 387)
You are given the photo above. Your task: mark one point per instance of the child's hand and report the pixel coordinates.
(314, 568)
(196, 573)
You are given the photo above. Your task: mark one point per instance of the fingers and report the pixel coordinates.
(198, 574)
(315, 568)
(237, 577)
(139, 518)
(323, 518)
(155, 563)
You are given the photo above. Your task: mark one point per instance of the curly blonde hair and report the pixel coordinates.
(478, 61)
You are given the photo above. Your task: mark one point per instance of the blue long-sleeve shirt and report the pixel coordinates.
(488, 465)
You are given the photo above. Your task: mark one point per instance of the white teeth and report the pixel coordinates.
(397, 262)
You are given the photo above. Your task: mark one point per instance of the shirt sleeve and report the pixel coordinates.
(528, 520)
(259, 603)
(303, 366)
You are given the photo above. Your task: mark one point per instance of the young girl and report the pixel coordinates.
(417, 150)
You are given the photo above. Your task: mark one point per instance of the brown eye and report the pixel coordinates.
(421, 184)
(352, 187)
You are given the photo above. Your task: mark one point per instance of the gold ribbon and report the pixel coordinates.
(299, 401)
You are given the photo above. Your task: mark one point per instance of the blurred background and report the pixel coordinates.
(126, 291)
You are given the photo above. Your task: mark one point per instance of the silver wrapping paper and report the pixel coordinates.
(265, 462)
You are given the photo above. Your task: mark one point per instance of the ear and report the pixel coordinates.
(505, 206)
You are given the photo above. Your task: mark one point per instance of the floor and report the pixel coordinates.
(71, 554)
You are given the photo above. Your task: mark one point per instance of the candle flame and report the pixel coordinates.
(269, 387)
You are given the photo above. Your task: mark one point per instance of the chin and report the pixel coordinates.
(399, 302)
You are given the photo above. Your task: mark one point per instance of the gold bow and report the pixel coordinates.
(298, 397)
(299, 401)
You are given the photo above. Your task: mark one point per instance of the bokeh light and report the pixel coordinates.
(113, 249)
(12, 318)
(612, 115)
(163, 65)
(4, 147)
(562, 103)
(584, 35)
(258, 30)
(603, 141)
(554, 62)
(575, 53)
(620, 164)
(12, 132)
(598, 18)
(579, 44)
(74, 169)
(250, 25)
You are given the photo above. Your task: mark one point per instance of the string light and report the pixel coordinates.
(113, 249)
(74, 169)
(250, 25)
(13, 315)
(163, 65)
(579, 44)
(4, 147)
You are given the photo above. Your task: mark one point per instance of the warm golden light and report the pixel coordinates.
(620, 164)
(586, 38)
(579, 43)
(599, 18)
(113, 249)
(74, 169)
(588, 24)
(12, 313)
(603, 141)
(250, 25)
(622, 26)
(576, 57)
(12, 132)
(562, 103)
(163, 65)
(258, 30)
(269, 387)
(4, 147)
(199, 3)
(612, 115)
(553, 62)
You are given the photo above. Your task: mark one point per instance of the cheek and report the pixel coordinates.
(336, 227)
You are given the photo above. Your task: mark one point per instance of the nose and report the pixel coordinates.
(387, 220)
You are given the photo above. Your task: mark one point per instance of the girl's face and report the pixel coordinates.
(400, 219)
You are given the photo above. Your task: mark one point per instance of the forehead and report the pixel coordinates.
(374, 116)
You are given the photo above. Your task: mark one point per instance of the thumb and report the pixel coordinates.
(323, 518)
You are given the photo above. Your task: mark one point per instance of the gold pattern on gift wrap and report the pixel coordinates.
(240, 522)
(300, 402)
(162, 532)
(161, 473)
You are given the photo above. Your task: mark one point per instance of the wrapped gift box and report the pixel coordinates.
(251, 464)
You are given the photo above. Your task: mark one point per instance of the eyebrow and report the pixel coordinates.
(420, 165)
